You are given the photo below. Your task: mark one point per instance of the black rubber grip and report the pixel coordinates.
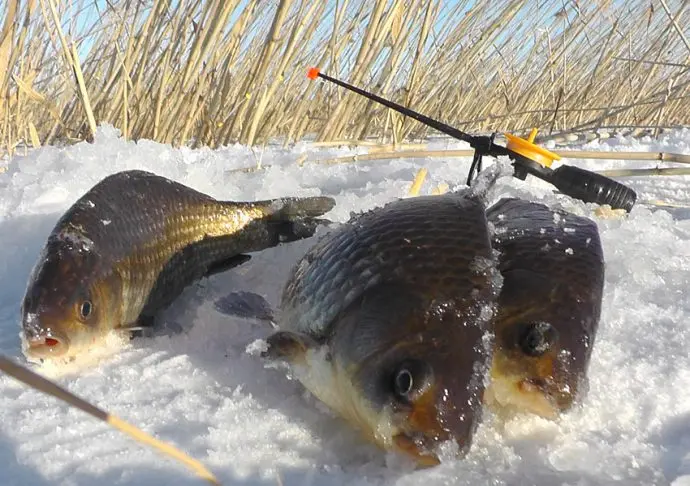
(591, 187)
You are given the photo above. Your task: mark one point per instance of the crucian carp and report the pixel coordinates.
(552, 265)
(385, 320)
(129, 246)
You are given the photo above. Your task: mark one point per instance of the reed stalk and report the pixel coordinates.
(216, 72)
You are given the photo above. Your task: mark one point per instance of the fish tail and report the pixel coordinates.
(282, 220)
(297, 208)
(485, 183)
(294, 218)
(292, 230)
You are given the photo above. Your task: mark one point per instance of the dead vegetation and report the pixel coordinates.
(213, 72)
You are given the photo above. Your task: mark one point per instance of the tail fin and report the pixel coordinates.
(296, 208)
(295, 218)
(282, 220)
(293, 230)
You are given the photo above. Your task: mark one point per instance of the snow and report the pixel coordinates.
(204, 389)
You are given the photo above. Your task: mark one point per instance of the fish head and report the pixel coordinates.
(70, 301)
(413, 371)
(544, 333)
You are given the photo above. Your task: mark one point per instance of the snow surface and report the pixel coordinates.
(200, 389)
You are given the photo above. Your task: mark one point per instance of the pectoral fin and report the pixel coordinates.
(142, 327)
(246, 305)
(287, 346)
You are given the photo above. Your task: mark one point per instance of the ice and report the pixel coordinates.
(200, 389)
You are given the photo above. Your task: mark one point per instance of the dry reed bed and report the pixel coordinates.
(220, 71)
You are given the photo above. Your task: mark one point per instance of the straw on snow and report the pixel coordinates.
(43, 385)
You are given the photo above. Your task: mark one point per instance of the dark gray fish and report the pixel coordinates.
(130, 245)
(385, 320)
(553, 277)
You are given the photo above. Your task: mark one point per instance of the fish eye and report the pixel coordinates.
(403, 382)
(85, 309)
(537, 338)
(410, 379)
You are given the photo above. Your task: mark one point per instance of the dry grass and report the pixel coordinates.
(213, 72)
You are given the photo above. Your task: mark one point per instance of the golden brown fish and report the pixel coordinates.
(553, 276)
(131, 244)
(385, 320)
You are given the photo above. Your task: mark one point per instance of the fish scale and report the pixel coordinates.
(529, 237)
(391, 243)
(181, 230)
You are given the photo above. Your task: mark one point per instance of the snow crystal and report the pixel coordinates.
(200, 389)
(256, 347)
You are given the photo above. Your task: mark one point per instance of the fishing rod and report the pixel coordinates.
(527, 157)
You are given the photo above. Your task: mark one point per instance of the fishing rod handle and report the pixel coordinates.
(589, 186)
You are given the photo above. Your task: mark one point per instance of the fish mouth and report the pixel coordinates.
(417, 447)
(540, 395)
(46, 344)
(528, 395)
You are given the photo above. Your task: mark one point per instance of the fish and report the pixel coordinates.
(127, 249)
(553, 270)
(385, 320)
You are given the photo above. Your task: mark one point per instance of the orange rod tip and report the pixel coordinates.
(313, 73)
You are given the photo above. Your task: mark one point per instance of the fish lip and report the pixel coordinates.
(554, 400)
(416, 446)
(531, 395)
(36, 346)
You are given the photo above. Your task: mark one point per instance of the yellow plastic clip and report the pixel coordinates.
(529, 149)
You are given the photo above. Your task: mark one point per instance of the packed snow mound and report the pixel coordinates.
(195, 384)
